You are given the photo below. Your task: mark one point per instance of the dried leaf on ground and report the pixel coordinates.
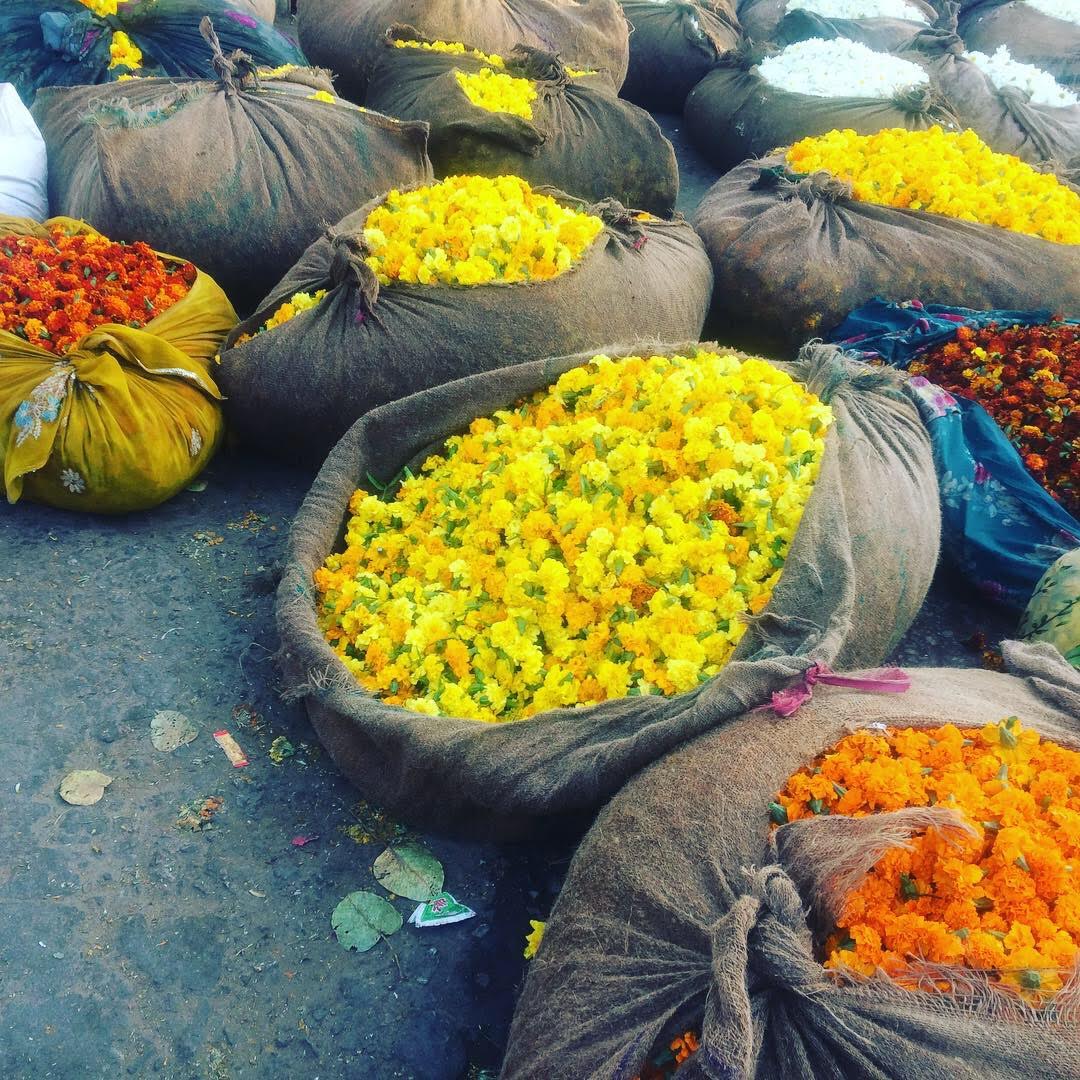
(362, 919)
(84, 787)
(170, 730)
(409, 870)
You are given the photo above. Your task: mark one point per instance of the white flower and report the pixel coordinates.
(840, 68)
(73, 481)
(860, 9)
(1002, 70)
(195, 443)
(1069, 10)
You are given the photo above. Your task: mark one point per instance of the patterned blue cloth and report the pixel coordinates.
(999, 525)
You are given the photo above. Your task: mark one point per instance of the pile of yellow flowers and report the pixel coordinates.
(471, 230)
(101, 8)
(1001, 898)
(492, 90)
(123, 52)
(953, 173)
(322, 95)
(602, 540)
(292, 307)
(454, 48)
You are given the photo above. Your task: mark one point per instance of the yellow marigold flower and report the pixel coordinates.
(472, 230)
(277, 72)
(124, 52)
(454, 48)
(101, 8)
(292, 307)
(322, 95)
(952, 173)
(496, 92)
(534, 937)
(569, 551)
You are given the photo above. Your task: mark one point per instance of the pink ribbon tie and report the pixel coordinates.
(883, 681)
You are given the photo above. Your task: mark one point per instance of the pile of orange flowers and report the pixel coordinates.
(1002, 899)
(55, 290)
(1028, 379)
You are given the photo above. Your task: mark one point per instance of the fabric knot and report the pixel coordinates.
(881, 681)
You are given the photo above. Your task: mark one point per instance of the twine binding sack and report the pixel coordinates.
(679, 906)
(1032, 37)
(855, 576)
(301, 385)
(346, 35)
(792, 256)
(581, 138)
(237, 175)
(127, 417)
(734, 114)
(673, 44)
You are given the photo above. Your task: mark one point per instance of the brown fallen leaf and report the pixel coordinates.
(84, 787)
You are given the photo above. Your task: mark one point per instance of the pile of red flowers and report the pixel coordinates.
(55, 290)
(1028, 379)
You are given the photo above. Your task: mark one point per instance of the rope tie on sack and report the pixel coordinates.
(817, 187)
(236, 68)
(538, 65)
(925, 101)
(348, 267)
(881, 681)
(620, 222)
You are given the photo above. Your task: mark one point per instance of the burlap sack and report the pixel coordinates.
(856, 575)
(1005, 119)
(680, 906)
(793, 256)
(298, 388)
(734, 114)
(673, 44)
(1032, 37)
(779, 20)
(346, 35)
(237, 179)
(581, 138)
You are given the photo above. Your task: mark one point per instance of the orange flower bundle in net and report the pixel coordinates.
(55, 291)
(1002, 899)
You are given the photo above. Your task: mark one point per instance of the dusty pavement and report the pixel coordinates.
(133, 944)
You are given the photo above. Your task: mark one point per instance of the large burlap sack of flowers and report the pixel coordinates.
(238, 174)
(947, 925)
(1015, 109)
(1041, 32)
(796, 246)
(75, 42)
(525, 115)
(751, 103)
(855, 569)
(336, 338)
(673, 44)
(879, 24)
(346, 35)
(107, 401)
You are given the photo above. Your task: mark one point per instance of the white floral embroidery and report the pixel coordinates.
(73, 481)
(195, 443)
(43, 404)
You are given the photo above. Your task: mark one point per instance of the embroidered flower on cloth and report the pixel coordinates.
(195, 442)
(73, 481)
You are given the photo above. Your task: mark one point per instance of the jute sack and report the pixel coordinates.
(1005, 119)
(124, 419)
(346, 35)
(793, 256)
(734, 114)
(237, 175)
(784, 22)
(680, 906)
(1032, 37)
(673, 44)
(581, 138)
(855, 576)
(297, 388)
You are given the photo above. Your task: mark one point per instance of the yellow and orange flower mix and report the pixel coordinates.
(54, 291)
(1004, 900)
(602, 540)
(952, 173)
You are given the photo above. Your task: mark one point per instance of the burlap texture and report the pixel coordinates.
(793, 256)
(1005, 119)
(673, 44)
(782, 22)
(298, 388)
(855, 577)
(1032, 37)
(581, 138)
(238, 180)
(346, 35)
(734, 114)
(679, 907)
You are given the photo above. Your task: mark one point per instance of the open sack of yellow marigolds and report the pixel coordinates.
(507, 594)
(801, 237)
(107, 401)
(528, 114)
(427, 284)
(878, 882)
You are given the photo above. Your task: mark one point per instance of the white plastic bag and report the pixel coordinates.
(23, 164)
